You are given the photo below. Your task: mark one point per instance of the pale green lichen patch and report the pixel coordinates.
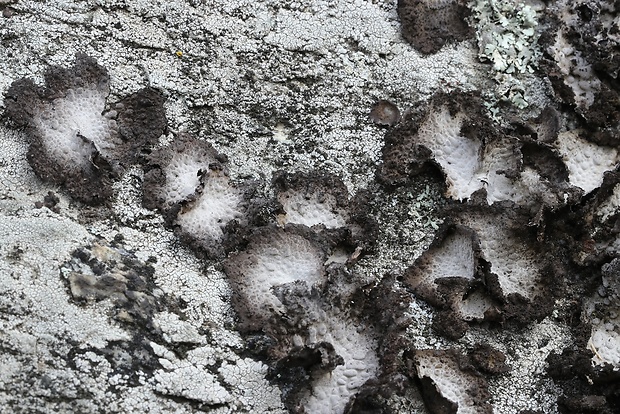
(507, 36)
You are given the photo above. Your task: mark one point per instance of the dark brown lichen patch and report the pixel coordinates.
(455, 135)
(489, 265)
(222, 215)
(450, 276)
(286, 287)
(75, 141)
(600, 222)
(294, 372)
(582, 63)
(274, 257)
(318, 317)
(321, 354)
(141, 121)
(453, 254)
(173, 172)
(50, 201)
(581, 378)
(545, 127)
(586, 370)
(584, 385)
(597, 24)
(429, 24)
(386, 308)
(488, 359)
(531, 164)
(520, 272)
(101, 272)
(546, 163)
(189, 183)
(403, 156)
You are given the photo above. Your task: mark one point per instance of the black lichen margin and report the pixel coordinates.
(184, 177)
(159, 177)
(430, 24)
(360, 229)
(136, 121)
(289, 323)
(403, 156)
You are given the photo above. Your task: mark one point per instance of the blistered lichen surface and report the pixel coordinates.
(320, 207)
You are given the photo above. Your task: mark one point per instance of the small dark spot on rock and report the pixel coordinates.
(385, 113)
(15, 254)
(584, 13)
(50, 201)
(7, 12)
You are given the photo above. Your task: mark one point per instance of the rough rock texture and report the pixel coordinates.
(209, 206)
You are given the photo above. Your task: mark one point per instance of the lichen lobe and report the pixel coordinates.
(77, 139)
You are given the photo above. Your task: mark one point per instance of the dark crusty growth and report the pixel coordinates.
(582, 62)
(290, 288)
(188, 182)
(430, 24)
(274, 257)
(173, 172)
(103, 271)
(312, 199)
(321, 200)
(75, 139)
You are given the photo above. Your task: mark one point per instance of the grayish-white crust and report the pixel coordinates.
(311, 207)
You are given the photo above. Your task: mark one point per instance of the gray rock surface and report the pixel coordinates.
(105, 309)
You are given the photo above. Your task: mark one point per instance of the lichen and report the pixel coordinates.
(507, 37)
(258, 258)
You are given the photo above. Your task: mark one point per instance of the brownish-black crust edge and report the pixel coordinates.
(429, 29)
(141, 118)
